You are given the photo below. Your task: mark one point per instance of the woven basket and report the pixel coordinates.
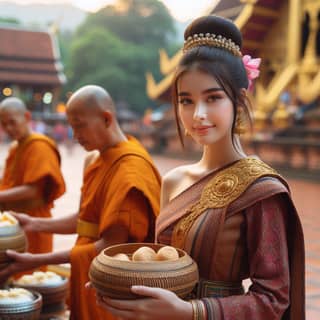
(23, 310)
(114, 278)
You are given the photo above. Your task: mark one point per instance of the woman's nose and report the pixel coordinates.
(200, 112)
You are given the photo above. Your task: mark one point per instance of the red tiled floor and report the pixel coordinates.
(305, 195)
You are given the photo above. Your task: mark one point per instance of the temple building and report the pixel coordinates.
(30, 67)
(286, 35)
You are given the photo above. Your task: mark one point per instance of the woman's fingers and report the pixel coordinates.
(149, 292)
(120, 304)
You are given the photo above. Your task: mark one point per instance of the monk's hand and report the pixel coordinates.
(20, 262)
(158, 304)
(25, 221)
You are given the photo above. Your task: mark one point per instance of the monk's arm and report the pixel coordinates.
(28, 261)
(62, 225)
(23, 192)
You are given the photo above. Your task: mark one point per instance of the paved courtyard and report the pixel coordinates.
(305, 194)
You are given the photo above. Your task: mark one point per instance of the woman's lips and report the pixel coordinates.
(202, 130)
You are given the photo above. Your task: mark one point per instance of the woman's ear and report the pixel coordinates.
(107, 118)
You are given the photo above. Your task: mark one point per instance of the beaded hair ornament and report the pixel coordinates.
(212, 40)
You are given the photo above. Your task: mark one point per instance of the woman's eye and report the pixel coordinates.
(212, 98)
(185, 101)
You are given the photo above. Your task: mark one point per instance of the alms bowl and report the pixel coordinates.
(22, 310)
(114, 278)
(16, 242)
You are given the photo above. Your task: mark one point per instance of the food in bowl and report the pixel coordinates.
(167, 253)
(39, 278)
(18, 303)
(148, 254)
(121, 256)
(9, 225)
(113, 277)
(53, 289)
(15, 295)
(11, 237)
(144, 254)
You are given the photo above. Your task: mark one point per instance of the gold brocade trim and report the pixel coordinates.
(87, 229)
(224, 188)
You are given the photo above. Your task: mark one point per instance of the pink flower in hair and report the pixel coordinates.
(252, 68)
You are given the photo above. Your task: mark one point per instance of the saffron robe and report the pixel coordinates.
(36, 160)
(238, 227)
(121, 187)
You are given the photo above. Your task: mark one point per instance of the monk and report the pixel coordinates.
(119, 198)
(32, 178)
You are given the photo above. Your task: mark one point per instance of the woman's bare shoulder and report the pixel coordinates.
(175, 175)
(171, 183)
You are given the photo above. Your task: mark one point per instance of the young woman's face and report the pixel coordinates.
(205, 110)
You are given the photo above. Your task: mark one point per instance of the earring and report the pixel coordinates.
(240, 123)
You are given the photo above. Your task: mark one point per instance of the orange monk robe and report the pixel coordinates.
(122, 187)
(36, 161)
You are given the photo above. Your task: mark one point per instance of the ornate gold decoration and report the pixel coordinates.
(212, 40)
(224, 188)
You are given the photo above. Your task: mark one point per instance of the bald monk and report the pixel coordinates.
(119, 198)
(32, 178)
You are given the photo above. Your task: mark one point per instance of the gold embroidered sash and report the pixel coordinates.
(87, 229)
(224, 188)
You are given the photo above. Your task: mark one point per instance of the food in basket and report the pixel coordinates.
(144, 254)
(15, 295)
(39, 278)
(121, 256)
(7, 219)
(8, 224)
(114, 278)
(167, 253)
(19, 303)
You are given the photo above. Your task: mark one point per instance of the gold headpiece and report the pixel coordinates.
(210, 39)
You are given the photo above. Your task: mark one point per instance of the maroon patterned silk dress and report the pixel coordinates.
(237, 223)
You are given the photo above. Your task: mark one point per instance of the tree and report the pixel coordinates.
(116, 46)
(10, 20)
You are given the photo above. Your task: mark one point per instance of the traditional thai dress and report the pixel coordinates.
(237, 223)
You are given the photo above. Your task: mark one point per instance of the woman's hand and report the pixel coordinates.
(20, 262)
(158, 304)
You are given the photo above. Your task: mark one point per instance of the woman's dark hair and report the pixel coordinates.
(227, 68)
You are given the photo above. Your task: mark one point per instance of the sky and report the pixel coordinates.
(182, 10)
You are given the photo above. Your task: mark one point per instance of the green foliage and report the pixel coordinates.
(9, 20)
(116, 46)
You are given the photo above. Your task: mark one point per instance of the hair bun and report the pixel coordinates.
(217, 25)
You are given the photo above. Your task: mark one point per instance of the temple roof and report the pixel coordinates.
(29, 57)
(254, 18)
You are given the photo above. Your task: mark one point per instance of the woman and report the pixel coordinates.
(232, 213)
